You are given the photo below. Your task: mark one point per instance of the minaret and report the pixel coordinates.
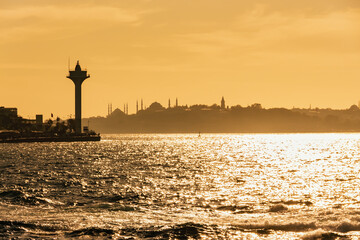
(109, 109)
(142, 104)
(169, 104)
(137, 106)
(176, 103)
(78, 76)
(222, 103)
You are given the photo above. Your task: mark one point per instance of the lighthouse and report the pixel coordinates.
(78, 76)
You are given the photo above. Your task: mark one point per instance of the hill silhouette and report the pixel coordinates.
(236, 119)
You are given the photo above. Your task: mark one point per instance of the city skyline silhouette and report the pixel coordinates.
(277, 53)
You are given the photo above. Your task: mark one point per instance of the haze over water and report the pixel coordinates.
(254, 186)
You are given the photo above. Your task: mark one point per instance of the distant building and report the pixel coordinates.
(354, 108)
(155, 107)
(8, 112)
(222, 103)
(117, 113)
(39, 119)
(8, 116)
(177, 103)
(9, 119)
(28, 121)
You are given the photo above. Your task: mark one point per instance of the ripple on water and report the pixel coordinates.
(173, 185)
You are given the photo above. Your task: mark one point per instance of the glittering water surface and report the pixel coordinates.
(251, 186)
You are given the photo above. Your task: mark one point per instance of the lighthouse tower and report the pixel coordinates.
(78, 76)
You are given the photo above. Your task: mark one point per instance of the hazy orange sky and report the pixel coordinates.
(280, 53)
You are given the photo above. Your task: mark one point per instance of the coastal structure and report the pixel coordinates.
(9, 119)
(15, 129)
(78, 77)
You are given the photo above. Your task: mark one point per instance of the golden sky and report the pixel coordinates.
(280, 53)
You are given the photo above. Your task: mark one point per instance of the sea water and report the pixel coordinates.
(213, 186)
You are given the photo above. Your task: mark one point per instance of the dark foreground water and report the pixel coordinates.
(271, 186)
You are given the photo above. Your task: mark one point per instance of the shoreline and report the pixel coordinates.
(53, 139)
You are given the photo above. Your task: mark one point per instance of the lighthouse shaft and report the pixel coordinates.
(78, 108)
(78, 78)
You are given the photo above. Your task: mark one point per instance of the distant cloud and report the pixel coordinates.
(20, 22)
(70, 13)
(257, 31)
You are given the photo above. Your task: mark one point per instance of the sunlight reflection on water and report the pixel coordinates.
(249, 185)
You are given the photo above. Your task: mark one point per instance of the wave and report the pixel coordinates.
(92, 231)
(294, 202)
(129, 197)
(306, 231)
(181, 231)
(287, 227)
(341, 226)
(278, 208)
(196, 231)
(234, 208)
(117, 202)
(22, 225)
(20, 198)
(346, 226)
(9, 229)
(321, 234)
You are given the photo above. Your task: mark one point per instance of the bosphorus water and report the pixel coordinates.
(217, 186)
